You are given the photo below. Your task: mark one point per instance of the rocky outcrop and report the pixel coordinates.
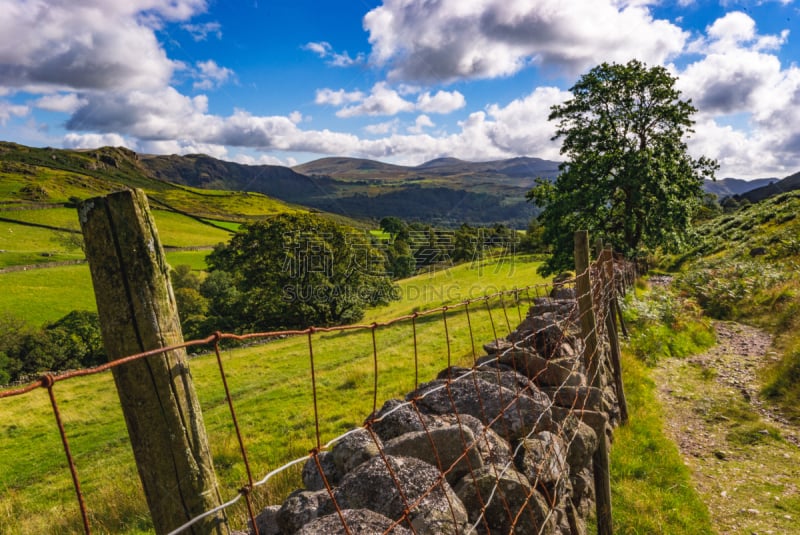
(504, 447)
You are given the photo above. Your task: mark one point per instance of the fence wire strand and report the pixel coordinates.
(603, 292)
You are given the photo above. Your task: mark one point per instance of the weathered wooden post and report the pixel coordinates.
(611, 329)
(137, 314)
(583, 287)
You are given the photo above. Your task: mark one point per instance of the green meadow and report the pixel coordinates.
(271, 388)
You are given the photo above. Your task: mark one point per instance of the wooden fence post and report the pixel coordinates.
(611, 329)
(138, 313)
(602, 475)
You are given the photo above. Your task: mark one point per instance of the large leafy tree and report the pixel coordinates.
(627, 177)
(294, 271)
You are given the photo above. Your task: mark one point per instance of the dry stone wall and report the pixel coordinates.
(504, 447)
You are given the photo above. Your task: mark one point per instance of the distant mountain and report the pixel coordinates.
(727, 187)
(790, 183)
(520, 172)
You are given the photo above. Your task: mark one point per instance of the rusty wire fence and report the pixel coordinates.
(530, 375)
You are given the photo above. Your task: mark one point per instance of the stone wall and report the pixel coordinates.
(504, 447)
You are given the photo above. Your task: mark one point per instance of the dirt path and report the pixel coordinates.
(744, 457)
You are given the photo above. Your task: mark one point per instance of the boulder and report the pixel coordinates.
(544, 372)
(359, 522)
(579, 397)
(373, 486)
(452, 449)
(312, 478)
(543, 460)
(397, 417)
(581, 444)
(300, 508)
(497, 346)
(353, 449)
(508, 501)
(267, 521)
(511, 414)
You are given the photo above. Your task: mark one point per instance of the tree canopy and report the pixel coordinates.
(294, 271)
(628, 177)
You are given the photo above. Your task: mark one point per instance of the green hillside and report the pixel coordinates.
(746, 266)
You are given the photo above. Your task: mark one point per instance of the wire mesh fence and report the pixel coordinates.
(498, 441)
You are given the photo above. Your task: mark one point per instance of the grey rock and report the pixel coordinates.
(300, 508)
(397, 417)
(354, 449)
(542, 371)
(267, 521)
(372, 486)
(563, 292)
(515, 506)
(452, 449)
(578, 397)
(581, 444)
(583, 492)
(312, 478)
(543, 460)
(511, 415)
(497, 346)
(359, 522)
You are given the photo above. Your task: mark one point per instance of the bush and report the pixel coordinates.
(666, 326)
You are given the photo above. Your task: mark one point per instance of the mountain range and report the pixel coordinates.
(444, 191)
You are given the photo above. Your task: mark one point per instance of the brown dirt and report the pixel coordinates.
(743, 455)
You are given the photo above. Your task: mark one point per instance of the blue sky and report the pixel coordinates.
(406, 81)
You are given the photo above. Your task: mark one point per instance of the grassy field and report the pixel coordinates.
(271, 388)
(39, 296)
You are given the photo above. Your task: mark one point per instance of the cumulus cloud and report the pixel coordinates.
(337, 98)
(383, 128)
(324, 50)
(91, 141)
(210, 75)
(87, 44)
(382, 100)
(63, 102)
(165, 121)
(441, 102)
(452, 39)
(8, 110)
(422, 122)
(738, 74)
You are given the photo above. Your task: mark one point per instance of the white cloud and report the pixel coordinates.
(450, 40)
(210, 75)
(422, 122)
(383, 128)
(87, 44)
(441, 102)
(200, 32)
(8, 110)
(67, 103)
(183, 146)
(92, 141)
(736, 30)
(166, 121)
(263, 159)
(381, 101)
(336, 59)
(337, 98)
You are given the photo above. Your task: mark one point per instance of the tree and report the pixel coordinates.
(628, 177)
(293, 271)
